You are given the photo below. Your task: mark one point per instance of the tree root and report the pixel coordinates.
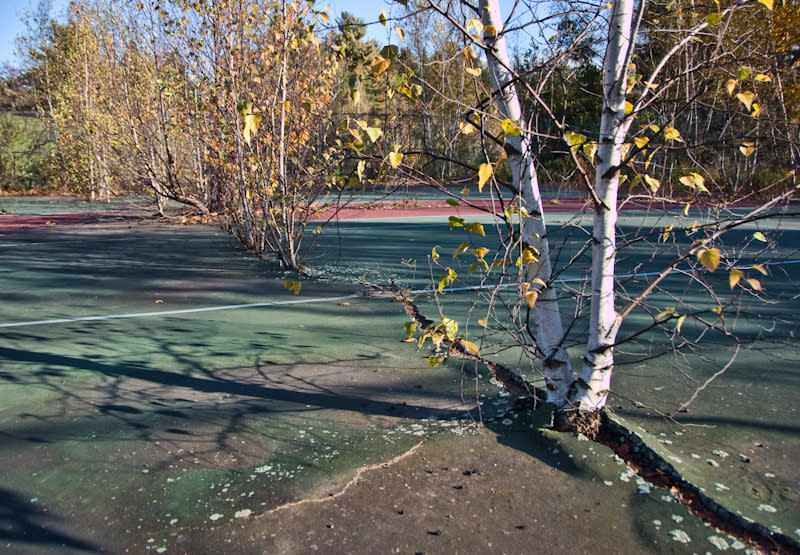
(629, 447)
(655, 469)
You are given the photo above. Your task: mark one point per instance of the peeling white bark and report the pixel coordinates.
(549, 329)
(598, 363)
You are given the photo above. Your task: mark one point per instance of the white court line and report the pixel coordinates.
(174, 312)
(322, 300)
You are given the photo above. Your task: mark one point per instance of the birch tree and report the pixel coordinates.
(618, 154)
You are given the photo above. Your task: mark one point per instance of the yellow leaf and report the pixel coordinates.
(754, 283)
(383, 18)
(410, 328)
(475, 227)
(679, 325)
(510, 128)
(434, 361)
(717, 310)
(293, 286)
(762, 78)
(652, 183)
(758, 236)
(590, 149)
(768, 3)
(665, 235)
(474, 71)
(760, 268)
(400, 33)
(374, 133)
(474, 23)
(574, 140)
(672, 134)
(466, 128)
(379, 65)
(484, 322)
(395, 158)
(746, 98)
(462, 248)
(628, 108)
(747, 148)
(731, 86)
(734, 277)
(490, 31)
(469, 53)
(484, 173)
(480, 252)
(709, 258)
(641, 142)
(531, 297)
(471, 347)
(757, 109)
(251, 122)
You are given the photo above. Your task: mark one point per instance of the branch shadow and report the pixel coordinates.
(21, 521)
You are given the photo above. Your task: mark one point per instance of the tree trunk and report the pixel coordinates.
(595, 380)
(549, 329)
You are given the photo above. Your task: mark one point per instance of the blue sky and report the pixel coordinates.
(12, 13)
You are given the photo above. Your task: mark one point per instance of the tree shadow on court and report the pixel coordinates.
(22, 521)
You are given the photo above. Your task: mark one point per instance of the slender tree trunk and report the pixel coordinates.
(592, 388)
(549, 329)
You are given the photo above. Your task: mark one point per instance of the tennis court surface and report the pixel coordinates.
(162, 391)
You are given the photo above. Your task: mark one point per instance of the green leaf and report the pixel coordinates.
(382, 18)
(410, 328)
(475, 227)
(742, 73)
(451, 202)
(713, 19)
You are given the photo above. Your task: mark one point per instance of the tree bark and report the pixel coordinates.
(592, 388)
(547, 317)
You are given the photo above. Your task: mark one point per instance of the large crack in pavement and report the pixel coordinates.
(634, 452)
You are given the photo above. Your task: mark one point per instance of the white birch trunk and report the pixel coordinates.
(549, 329)
(595, 380)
